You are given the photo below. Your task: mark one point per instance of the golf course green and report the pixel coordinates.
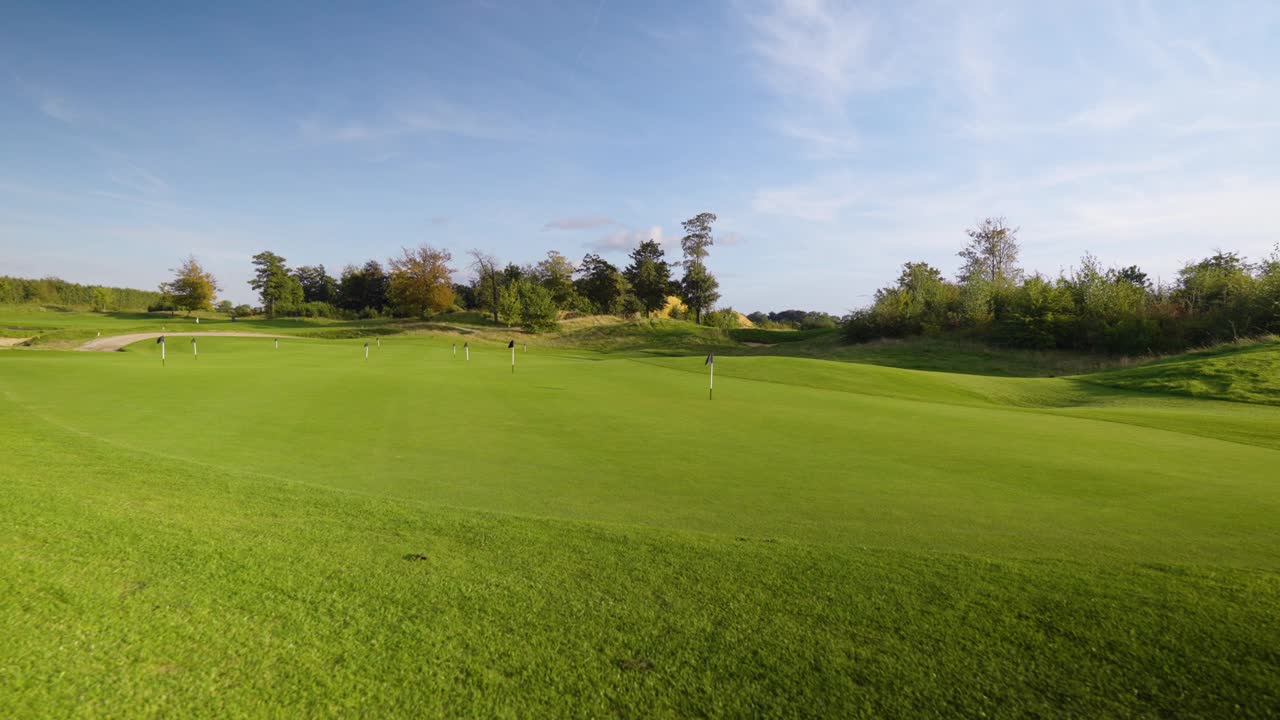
(301, 531)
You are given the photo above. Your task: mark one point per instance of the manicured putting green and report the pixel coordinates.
(591, 536)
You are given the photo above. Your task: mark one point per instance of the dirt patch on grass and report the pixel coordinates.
(117, 342)
(10, 342)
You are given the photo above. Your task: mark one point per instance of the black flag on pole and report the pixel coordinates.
(160, 340)
(711, 379)
(511, 345)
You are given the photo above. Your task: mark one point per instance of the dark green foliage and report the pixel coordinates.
(1090, 309)
(317, 285)
(650, 276)
(54, 291)
(363, 288)
(699, 289)
(279, 291)
(602, 285)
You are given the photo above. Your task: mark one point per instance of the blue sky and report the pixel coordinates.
(835, 140)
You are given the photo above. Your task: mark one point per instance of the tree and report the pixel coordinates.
(602, 284)
(1132, 275)
(699, 289)
(537, 306)
(317, 285)
(992, 254)
(102, 299)
(225, 307)
(508, 305)
(192, 288)
(555, 273)
(697, 237)
(649, 275)
(276, 288)
(420, 281)
(363, 288)
(488, 288)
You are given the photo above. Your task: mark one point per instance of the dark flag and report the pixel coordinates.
(160, 340)
(511, 345)
(711, 381)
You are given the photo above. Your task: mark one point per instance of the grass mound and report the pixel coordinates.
(770, 337)
(1243, 372)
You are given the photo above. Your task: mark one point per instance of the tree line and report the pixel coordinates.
(54, 291)
(420, 283)
(1089, 308)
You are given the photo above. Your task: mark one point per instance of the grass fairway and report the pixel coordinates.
(299, 531)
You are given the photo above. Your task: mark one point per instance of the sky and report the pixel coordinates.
(835, 140)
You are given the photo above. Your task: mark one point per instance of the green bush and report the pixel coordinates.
(724, 318)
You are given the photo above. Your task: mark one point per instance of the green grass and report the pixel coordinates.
(63, 328)
(770, 337)
(1243, 372)
(228, 536)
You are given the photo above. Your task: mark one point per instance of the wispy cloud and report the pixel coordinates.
(51, 102)
(437, 117)
(625, 240)
(821, 50)
(579, 223)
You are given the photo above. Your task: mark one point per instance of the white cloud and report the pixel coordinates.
(579, 223)
(626, 240)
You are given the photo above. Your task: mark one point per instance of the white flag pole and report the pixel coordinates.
(455, 349)
(162, 362)
(277, 343)
(195, 352)
(366, 351)
(467, 347)
(513, 359)
(711, 387)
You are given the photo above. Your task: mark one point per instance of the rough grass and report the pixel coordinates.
(302, 532)
(770, 337)
(1241, 372)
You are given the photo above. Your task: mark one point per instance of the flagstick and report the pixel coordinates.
(195, 352)
(513, 359)
(712, 386)
(162, 361)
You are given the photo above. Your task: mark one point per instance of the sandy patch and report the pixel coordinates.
(115, 342)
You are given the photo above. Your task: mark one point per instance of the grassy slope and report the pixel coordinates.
(823, 539)
(52, 327)
(1244, 372)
